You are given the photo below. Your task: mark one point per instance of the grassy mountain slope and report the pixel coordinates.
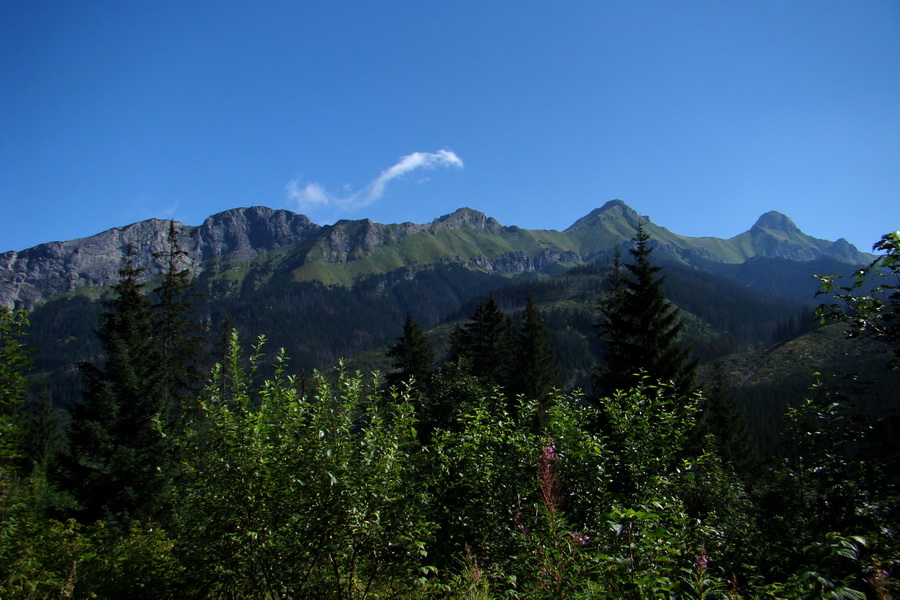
(329, 262)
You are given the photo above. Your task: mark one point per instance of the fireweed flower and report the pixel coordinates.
(579, 538)
(549, 453)
(548, 482)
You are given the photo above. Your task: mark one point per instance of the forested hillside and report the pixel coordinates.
(319, 324)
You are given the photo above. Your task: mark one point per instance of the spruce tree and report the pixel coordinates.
(487, 340)
(414, 359)
(118, 458)
(537, 369)
(413, 356)
(640, 327)
(613, 328)
(177, 336)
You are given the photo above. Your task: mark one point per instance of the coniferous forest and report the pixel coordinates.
(494, 459)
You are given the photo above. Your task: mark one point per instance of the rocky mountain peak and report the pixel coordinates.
(243, 233)
(351, 239)
(776, 236)
(616, 205)
(614, 210)
(466, 217)
(775, 221)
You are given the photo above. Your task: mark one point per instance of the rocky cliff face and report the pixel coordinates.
(519, 262)
(47, 270)
(353, 240)
(244, 233)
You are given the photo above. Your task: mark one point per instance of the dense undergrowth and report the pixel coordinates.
(327, 488)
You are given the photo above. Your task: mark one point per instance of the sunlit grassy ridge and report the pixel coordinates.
(418, 250)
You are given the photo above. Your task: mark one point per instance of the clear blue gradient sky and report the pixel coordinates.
(700, 114)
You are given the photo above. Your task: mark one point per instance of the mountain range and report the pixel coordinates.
(233, 244)
(343, 291)
(326, 292)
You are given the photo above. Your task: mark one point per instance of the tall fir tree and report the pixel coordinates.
(118, 459)
(537, 368)
(413, 356)
(178, 338)
(487, 341)
(640, 327)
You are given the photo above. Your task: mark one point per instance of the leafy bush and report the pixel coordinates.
(293, 494)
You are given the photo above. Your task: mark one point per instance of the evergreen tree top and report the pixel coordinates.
(640, 327)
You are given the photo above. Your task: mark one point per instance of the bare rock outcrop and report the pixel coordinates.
(36, 274)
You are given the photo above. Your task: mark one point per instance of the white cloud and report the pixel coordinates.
(313, 196)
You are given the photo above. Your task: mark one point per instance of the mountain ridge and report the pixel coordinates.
(348, 249)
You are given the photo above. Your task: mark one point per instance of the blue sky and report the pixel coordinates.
(702, 115)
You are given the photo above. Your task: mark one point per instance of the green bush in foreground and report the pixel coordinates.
(324, 489)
